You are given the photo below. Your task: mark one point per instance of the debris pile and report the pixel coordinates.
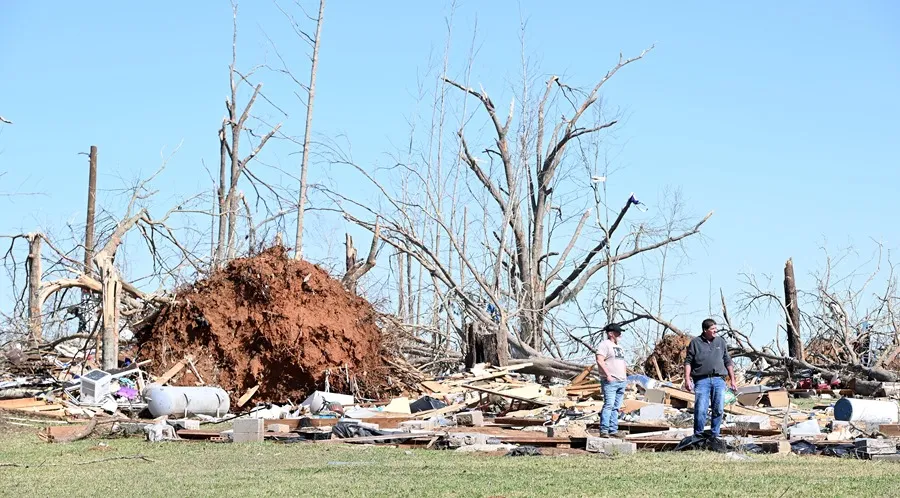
(283, 352)
(285, 326)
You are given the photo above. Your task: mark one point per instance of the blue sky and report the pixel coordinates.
(781, 118)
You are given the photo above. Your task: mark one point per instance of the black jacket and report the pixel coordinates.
(708, 357)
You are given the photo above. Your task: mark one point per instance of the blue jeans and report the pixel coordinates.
(613, 392)
(709, 392)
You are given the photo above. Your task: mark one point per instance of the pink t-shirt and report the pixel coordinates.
(614, 356)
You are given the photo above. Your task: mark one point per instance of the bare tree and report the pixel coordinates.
(231, 165)
(307, 134)
(853, 332)
(518, 275)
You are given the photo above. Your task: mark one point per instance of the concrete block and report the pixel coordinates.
(655, 411)
(610, 446)
(745, 422)
(470, 419)
(417, 425)
(459, 439)
(244, 437)
(485, 448)
(655, 396)
(248, 426)
(875, 446)
(184, 423)
(279, 428)
(895, 457)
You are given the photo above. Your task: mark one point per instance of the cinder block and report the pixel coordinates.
(610, 446)
(655, 396)
(243, 437)
(248, 426)
(458, 439)
(755, 422)
(470, 419)
(417, 425)
(653, 412)
(280, 428)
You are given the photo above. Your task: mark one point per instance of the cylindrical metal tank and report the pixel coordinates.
(186, 401)
(866, 410)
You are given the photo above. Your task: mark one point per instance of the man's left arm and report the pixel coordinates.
(729, 365)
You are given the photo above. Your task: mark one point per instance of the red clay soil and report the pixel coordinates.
(272, 321)
(669, 353)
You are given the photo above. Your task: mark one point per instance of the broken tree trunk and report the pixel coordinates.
(111, 287)
(109, 280)
(792, 307)
(356, 268)
(480, 347)
(35, 304)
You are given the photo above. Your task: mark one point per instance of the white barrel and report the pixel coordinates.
(866, 410)
(186, 401)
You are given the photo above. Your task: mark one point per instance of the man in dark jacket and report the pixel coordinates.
(705, 365)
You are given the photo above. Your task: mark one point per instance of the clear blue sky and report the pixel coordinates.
(781, 118)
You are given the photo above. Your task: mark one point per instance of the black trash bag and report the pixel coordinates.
(703, 441)
(751, 448)
(426, 403)
(802, 447)
(841, 451)
(343, 430)
(524, 451)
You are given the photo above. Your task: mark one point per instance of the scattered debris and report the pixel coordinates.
(266, 332)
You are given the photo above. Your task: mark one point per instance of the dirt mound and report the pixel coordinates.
(272, 321)
(669, 354)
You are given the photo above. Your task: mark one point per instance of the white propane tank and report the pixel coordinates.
(866, 410)
(186, 401)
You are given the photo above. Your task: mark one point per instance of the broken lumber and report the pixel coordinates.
(689, 397)
(504, 395)
(170, 373)
(247, 395)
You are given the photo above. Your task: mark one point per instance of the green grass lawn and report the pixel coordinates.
(336, 471)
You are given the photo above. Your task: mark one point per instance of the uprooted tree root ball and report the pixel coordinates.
(669, 354)
(270, 320)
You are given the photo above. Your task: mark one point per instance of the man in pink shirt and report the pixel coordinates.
(611, 363)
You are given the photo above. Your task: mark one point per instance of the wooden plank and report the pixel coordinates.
(500, 393)
(434, 387)
(247, 395)
(166, 377)
(583, 375)
(375, 439)
(733, 409)
(630, 405)
(493, 375)
(518, 421)
(890, 430)
(21, 403)
(776, 399)
(197, 434)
